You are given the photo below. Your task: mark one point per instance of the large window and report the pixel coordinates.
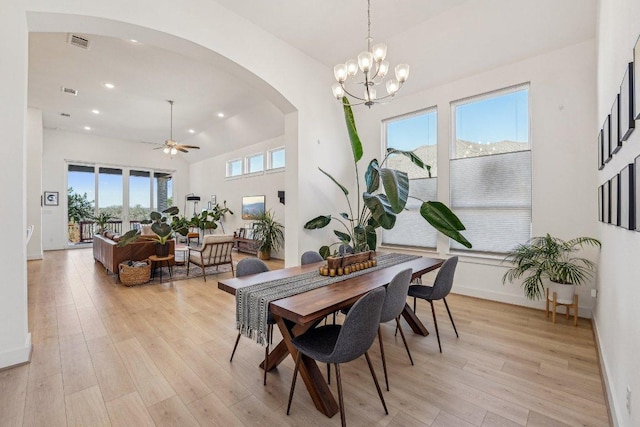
(490, 172)
(416, 132)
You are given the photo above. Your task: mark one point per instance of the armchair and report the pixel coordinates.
(215, 251)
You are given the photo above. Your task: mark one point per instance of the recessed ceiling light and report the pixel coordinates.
(95, 111)
(133, 41)
(192, 131)
(87, 128)
(220, 114)
(109, 85)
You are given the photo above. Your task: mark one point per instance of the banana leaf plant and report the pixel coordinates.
(385, 197)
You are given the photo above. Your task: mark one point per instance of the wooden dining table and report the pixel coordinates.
(298, 313)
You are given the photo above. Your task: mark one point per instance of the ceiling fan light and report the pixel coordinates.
(174, 151)
(166, 150)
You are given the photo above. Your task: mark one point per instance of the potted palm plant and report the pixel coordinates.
(548, 258)
(101, 220)
(268, 234)
(163, 230)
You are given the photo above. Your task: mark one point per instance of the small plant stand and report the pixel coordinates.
(553, 301)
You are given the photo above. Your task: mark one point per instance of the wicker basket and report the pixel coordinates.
(131, 276)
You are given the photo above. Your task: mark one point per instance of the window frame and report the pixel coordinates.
(474, 253)
(270, 159)
(228, 169)
(247, 164)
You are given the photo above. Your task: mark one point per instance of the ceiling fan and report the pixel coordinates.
(172, 147)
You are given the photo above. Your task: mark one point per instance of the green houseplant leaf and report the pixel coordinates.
(444, 220)
(342, 187)
(356, 145)
(381, 209)
(318, 222)
(396, 187)
(372, 176)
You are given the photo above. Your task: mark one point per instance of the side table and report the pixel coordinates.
(156, 261)
(182, 254)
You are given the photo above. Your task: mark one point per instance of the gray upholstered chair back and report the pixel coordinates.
(360, 327)
(444, 280)
(248, 266)
(342, 249)
(396, 297)
(310, 257)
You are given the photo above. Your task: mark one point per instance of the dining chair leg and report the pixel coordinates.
(340, 399)
(414, 306)
(375, 380)
(450, 317)
(384, 361)
(234, 347)
(293, 381)
(435, 323)
(328, 373)
(404, 340)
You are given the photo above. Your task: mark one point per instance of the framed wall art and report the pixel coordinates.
(616, 142)
(600, 151)
(636, 192)
(252, 207)
(627, 198)
(606, 138)
(627, 120)
(615, 199)
(606, 199)
(636, 81)
(51, 198)
(600, 204)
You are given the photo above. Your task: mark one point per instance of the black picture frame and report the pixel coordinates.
(50, 198)
(636, 192)
(615, 199)
(606, 138)
(636, 80)
(600, 204)
(606, 199)
(627, 198)
(616, 142)
(627, 120)
(600, 151)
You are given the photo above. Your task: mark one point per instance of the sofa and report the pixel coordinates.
(110, 255)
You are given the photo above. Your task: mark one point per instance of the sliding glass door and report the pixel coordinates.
(127, 195)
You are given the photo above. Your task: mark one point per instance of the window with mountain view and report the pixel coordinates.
(490, 170)
(415, 132)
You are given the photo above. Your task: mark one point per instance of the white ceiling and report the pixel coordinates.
(442, 40)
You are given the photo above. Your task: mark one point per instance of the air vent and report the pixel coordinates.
(79, 41)
(69, 91)
(65, 114)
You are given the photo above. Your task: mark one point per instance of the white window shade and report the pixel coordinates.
(492, 196)
(411, 228)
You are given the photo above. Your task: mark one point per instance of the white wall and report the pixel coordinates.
(208, 178)
(34, 181)
(616, 314)
(562, 110)
(15, 340)
(63, 146)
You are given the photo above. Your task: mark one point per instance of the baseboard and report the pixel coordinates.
(585, 312)
(16, 356)
(608, 390)
(33, 257)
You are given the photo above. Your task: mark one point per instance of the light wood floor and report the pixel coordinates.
(105, 354)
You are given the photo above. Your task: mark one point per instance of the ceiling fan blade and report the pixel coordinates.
(179, 148)
(195, 147)
(159, 148)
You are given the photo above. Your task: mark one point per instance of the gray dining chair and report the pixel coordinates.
(394, 303)
(309, 257)
(343, 343)
(246, 267)
(440, 289)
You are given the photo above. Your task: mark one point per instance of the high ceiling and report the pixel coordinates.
(442, 40)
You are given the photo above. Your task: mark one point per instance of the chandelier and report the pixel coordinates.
(374, 69)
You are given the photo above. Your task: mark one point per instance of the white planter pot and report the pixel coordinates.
(564, 293)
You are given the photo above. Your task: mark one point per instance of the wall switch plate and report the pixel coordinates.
(594, 293)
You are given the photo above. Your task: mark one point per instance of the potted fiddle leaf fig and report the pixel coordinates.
(385, 197)
(268, 234)
(163, 230)
(548, 258)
